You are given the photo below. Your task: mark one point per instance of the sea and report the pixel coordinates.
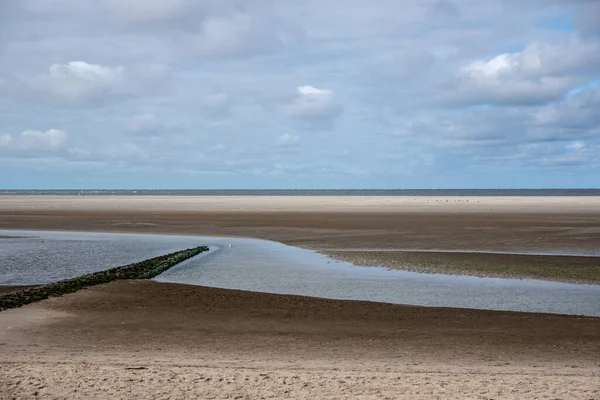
(306, 192)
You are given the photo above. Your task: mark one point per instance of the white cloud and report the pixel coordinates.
(539, 73)
(51, 139)
(539, 60)
(287, 139)
(577, 146)
(313, 103)
(78, 82)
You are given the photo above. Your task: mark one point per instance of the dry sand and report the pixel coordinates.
(302, 203)
(199, 342)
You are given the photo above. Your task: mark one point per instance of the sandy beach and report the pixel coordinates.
(553, 224)
(141, 339)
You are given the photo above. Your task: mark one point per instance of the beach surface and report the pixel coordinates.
(513, 224)
(142, 339)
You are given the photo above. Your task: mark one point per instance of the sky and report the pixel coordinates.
(316, 94)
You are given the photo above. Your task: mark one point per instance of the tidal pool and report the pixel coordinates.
(265, 266)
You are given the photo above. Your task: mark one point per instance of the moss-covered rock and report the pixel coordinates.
(143, 270)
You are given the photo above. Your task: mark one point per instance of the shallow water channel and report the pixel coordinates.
(265, 266)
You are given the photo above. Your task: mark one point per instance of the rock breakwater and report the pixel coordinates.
(142, 270)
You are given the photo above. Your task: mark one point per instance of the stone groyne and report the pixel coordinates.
(142, 270)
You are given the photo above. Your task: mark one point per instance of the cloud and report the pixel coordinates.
(5, 140)
(312, 103)
(127, 153)
(217, 104)
(577, 146)
(34, 142)
(586, 17)
(400, 65)
(218, 147)
(209, 29)
(287, 139)
(236, 36)
(575, 117)
(78, 82)
(538, 60)
(538, 74)
(145, 124)
(148, 10)
(51, 139)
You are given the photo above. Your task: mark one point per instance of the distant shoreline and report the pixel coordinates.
(308, 192)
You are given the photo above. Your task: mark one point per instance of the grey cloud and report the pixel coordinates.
(587, 17)
(217, 105)
(5, 140)
(148, 10)
(400, 65)
(145, 124)
(210, 29)
(236, 36)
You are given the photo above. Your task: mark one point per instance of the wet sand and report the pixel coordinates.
(553, 224)
(138, 339)
(215, 343)
(572, 269)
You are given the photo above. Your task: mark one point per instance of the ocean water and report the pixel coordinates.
(265, 266)
(311, 192)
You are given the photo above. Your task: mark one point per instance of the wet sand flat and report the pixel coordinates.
(571, 269)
